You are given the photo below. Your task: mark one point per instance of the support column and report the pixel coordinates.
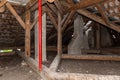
(79, 41)
(59, 38)
(56, 61)
(98, 37)
(43, 37)
(36, 37)
(27, 34)
(105, 37)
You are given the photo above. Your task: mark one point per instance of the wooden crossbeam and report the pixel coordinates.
(92, 57)
(52, 18)
(71, 14)
(52, 8)
(12, 10)
(102, 50)
(85, 3)
(93, 16)
(35, 21)
(64, 23)
(101, 11)
(30, 4)
(98, 19)
(59, 7)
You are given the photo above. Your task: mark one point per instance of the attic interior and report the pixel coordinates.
(74, 32)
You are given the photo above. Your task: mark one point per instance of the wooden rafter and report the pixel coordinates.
(12, 10)
(104, 16)
(98, 19)
(64, 24)
(3, 3)
(52, 8)
(51, 17)
(93, 16)
(35, 21)
(70, 2)
(71, 14)
(59, 7)
(84, 4)
(30, 4)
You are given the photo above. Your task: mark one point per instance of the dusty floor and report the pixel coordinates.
(86, 66)
(90, 67)
(14, 68)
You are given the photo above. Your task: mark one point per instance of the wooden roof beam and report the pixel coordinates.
(101, 11)
(52, 18)
(84, 3)
(93, 16)
(98, 19)
(59, 6)
(12, 10)
(3, 3)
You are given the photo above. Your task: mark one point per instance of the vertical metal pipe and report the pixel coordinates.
(40, 34)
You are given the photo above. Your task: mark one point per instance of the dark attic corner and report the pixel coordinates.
(59, 39)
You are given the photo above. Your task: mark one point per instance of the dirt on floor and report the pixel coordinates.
(86, 66)
(15, 68)
(90, 67)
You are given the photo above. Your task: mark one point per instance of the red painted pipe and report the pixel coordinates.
(40, 33)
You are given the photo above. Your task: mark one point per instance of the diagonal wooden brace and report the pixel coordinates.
(12, 10)
(2, 3)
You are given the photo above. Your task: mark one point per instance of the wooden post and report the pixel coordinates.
(56, 61)
(98, 37)
(27, 34)
(59, 44)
